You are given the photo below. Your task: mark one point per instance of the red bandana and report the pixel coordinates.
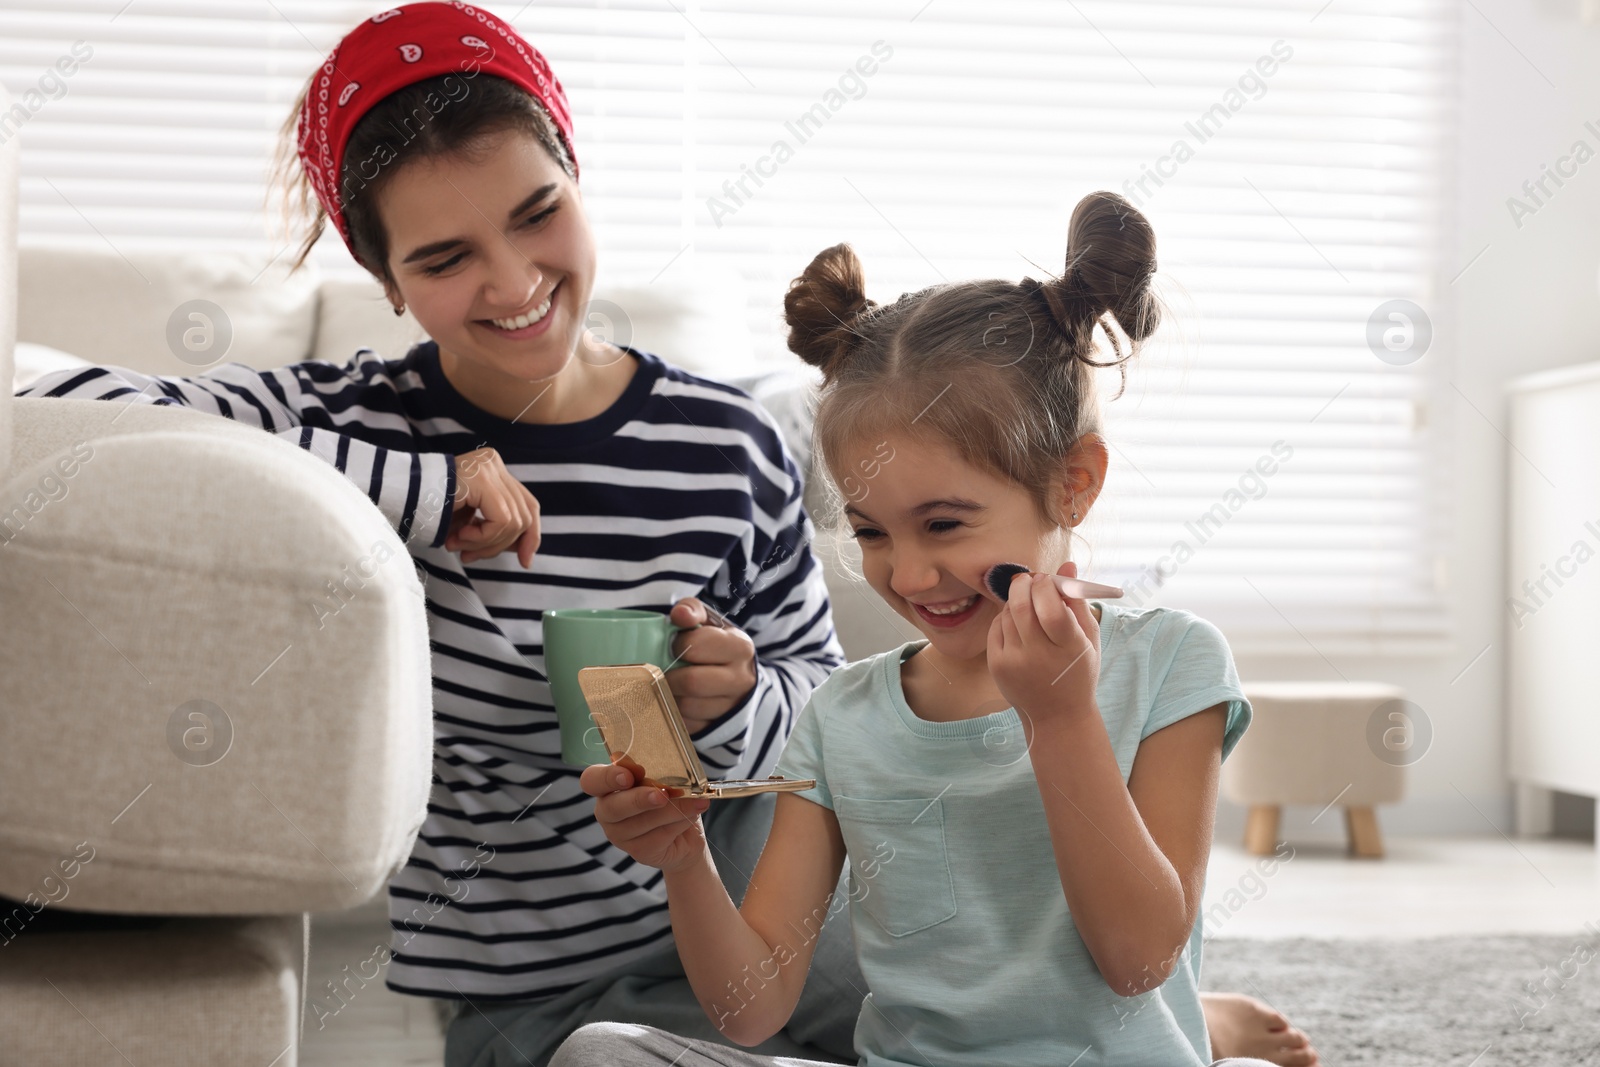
(397, 48)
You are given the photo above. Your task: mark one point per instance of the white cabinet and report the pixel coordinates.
(1552, 588)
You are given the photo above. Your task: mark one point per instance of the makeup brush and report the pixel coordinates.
(998, 579)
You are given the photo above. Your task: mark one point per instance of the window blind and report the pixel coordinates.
(1274, 466)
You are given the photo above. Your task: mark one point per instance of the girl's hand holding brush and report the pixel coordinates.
(1044, 646)
(998, 579)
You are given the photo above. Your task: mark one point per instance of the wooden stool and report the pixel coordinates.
(1308, 743)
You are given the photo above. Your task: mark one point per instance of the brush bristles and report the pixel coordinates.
(998, 579)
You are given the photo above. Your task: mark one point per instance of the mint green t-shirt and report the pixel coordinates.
(960, 920)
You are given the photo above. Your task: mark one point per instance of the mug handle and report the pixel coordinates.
(714, 618)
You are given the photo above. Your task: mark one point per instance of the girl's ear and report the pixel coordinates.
(1084, 476)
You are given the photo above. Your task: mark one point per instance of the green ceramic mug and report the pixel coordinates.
(575, 638)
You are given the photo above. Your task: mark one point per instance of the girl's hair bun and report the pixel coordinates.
(1111, 257)
(821, 306)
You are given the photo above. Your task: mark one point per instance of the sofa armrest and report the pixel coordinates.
(216, 670)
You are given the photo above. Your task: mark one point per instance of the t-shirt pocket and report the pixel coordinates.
(899, 868)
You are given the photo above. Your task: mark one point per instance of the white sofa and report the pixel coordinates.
(153, 593)
(187, 766)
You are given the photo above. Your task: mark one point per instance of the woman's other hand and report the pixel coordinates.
(719, 664)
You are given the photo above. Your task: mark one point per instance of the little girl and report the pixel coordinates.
(1025, 796)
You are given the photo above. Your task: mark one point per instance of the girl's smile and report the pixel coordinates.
(949, 614)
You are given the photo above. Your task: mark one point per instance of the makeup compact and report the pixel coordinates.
(640, 724)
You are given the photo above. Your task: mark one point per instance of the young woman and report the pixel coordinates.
(1038, 911)
(439, 145)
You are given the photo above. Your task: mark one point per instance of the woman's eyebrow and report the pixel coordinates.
(954, 504)
(434, 248)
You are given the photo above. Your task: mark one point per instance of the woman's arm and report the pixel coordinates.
(428, 497)
(746, 965)
(783, 653)
(414, 490)
(773, 590)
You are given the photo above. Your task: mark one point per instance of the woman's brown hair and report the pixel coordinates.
(429, 119)
(1000, 371)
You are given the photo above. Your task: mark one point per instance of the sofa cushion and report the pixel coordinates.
(35, 361)
(178, 992)
(694, 318)
(138, 310)
(354, 314)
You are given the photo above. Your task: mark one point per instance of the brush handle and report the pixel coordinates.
(1079, 589)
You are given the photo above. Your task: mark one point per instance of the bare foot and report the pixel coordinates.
(1244, 1026)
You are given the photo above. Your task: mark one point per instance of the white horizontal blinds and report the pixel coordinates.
(164, 135)
(625, 67)
(1314, 205)
(945, 140)
(1309, 198)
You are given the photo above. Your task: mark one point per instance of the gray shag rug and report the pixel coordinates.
(1491, 1001)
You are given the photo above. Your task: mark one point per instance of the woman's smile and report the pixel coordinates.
(531, 323)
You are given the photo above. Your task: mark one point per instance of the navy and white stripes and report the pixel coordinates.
(363, 432)
(683, 487)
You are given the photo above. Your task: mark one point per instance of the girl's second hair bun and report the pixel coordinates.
(1111, 259)
(822, 304)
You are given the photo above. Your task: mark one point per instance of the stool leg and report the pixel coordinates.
(1261, 829)
(1534, 809)
(1362, 824)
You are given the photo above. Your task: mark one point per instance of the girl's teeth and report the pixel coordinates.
(954, 609)
(524, 320)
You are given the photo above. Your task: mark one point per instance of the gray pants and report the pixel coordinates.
(627, 1045)
(654, 991)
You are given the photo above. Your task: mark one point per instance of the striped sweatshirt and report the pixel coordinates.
(683, 487)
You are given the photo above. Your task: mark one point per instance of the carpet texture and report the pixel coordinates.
(1501, 1001)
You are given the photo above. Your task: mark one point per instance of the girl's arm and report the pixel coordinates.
(747, 965)
(1131, 857)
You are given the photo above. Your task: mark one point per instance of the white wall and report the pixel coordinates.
(1532, 301)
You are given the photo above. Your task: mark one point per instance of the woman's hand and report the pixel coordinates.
(1044, 648)
(721, 660)
(642, 820)
(510, 513)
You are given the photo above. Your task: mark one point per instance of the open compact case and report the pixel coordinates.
(639, 721)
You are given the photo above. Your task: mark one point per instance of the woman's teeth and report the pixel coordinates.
(953, 608)
(525, 320)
